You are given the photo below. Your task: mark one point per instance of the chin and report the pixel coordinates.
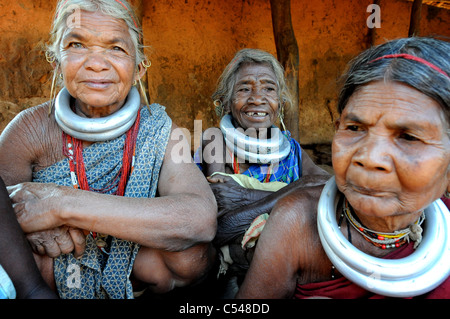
(374, 206)
(98, 99)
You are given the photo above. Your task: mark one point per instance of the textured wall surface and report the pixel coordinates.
(189, 43)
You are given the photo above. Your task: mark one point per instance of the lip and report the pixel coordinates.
(369, 191)
(97, 84)
(256, 115)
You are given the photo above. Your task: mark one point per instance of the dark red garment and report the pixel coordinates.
(446, 202)
(342, 288)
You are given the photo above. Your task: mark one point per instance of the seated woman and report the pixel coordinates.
(92, 179)
(19, 276)
(391, 157)
(257, 158)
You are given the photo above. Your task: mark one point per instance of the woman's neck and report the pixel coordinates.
(85, 110)
(388, 224)
(259, 133)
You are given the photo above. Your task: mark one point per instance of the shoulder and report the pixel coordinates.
(34, 115)
(31, 124)
(26, 141)
(297, 211)
(212, 135)
(155, 113)
(211, 132)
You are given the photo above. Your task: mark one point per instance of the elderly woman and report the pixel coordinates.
(249, 161)
(379, 228)
(95, 186)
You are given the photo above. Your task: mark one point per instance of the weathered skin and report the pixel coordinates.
(391, 160)
(174, 229)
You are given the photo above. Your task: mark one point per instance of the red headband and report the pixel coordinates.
(411, 57)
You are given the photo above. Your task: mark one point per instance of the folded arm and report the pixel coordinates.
(16, 257)
(183, 215)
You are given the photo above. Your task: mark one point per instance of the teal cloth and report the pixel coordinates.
(7, 290)
(97, 275)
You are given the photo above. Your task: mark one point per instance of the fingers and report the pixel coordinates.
(64, 241)
(79, 241)
(43, 246)
(215, 179)
(55, 242)
(219, 178)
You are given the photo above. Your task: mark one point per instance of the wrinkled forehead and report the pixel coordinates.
(394, 102)
(252, 72)
(97, 25)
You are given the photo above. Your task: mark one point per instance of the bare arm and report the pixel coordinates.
(166, 270)
(31, 141)
(183, 215)
(273, 270)
(233, 221)
(286, 249)
(16, 256)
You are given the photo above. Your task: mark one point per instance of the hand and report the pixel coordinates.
(229, 194)
(57, 241)
(36, 205)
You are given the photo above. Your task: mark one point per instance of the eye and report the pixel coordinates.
(353, 128)
(408, 137)
(117, 48)
(76, 45)
(244, 89)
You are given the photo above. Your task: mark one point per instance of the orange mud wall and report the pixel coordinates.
(190, 42)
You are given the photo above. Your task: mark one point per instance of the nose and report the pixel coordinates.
(374, 154)
(256, 97)
(96, 61)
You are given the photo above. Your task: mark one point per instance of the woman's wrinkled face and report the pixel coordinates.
(255, 96)
(391, 151)
(98, 60)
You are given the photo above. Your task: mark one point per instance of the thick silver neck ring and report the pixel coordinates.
(96, 129)
(422, 271)
(254, 150)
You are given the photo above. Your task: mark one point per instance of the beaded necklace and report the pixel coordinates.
(73, 150)
(237, 170)
(386, 240)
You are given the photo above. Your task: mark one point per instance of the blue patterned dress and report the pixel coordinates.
(287, 170)
(97, 275)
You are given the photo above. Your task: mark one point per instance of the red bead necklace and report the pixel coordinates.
(379, 239)
(73, 150)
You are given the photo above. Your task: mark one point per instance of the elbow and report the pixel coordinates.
(201, 221)
(207, 226)
(207, 219)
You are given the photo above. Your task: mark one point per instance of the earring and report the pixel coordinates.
(146, 65)
(281, 116)
(145, 96)
(50, 57)
(218, 107)
(447, 194)
(52, 92)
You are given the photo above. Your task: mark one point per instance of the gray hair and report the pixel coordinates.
(420, 76)
(114, 8)
(224, 90)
